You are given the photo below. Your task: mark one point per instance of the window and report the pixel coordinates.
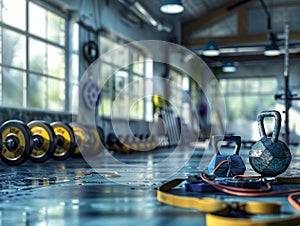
(33, 56)
(184, 95)
(244, 99)
(126, 82)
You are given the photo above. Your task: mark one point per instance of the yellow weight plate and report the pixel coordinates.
(40, 131)
(17, 134)
(62, 133)
(65, 140)
(81, 138)
(17, 142)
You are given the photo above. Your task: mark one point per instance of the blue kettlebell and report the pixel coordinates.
(234, 164)
(269, 156)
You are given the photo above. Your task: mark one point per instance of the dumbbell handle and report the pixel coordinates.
(8, 142)
(35, 140)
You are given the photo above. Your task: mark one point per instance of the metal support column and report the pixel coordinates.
(286, 79)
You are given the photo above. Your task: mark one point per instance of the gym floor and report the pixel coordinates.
(71, 192)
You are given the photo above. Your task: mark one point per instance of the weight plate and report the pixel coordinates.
(18, 151)
(90, 94)
(65, 140)
(44, 133)
(90, 51)
(93, 146)
(82, 138)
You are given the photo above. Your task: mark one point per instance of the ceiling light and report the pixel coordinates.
(228, 66)
(171, 6)
(211, 49)
(272, 49)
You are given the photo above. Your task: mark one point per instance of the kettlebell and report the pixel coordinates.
(269, 156)
(235, 164)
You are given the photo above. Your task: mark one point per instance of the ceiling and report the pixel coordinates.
(232, 23)
(193, 9)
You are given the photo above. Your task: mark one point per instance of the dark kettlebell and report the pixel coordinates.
(269, 156)
(234, 165)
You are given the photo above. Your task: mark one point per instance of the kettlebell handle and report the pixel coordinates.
(277, 126)
(233, 139)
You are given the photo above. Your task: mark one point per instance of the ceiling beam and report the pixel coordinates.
(241, 39)
(247, 58)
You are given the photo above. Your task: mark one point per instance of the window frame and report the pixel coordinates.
(64, 47)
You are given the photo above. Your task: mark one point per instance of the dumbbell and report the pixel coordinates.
(44, 141)
(16, 142)
(65, 140)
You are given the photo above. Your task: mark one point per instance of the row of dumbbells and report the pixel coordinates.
(40, 141)
(137, 142)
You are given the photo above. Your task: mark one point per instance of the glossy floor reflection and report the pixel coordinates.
(72, 193)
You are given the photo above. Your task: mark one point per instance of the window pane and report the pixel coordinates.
(107, 87)
(104, 45)
(1, 47)
(13, 92)
(37, 91)
(46, 24)
(74, 100)
(14, 51)
(55, 61)
(75, 69)
(136, 103)
(56, 28)
(46, 59)
(268, 85)
(234, 107)
(120, 57)
(1, 85)
(75, 37)
(235, 86)
(13, 13)
(106, 72)
(121, 91)
(37, 56)
(253, 85)
(37, 20)
(56, 94)
(138, 65)
(105, 104)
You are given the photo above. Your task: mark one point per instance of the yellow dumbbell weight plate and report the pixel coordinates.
(82, 138)
(15, 152)
(17, 142)
(65, 140)
(40, 152)
(46, 145)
